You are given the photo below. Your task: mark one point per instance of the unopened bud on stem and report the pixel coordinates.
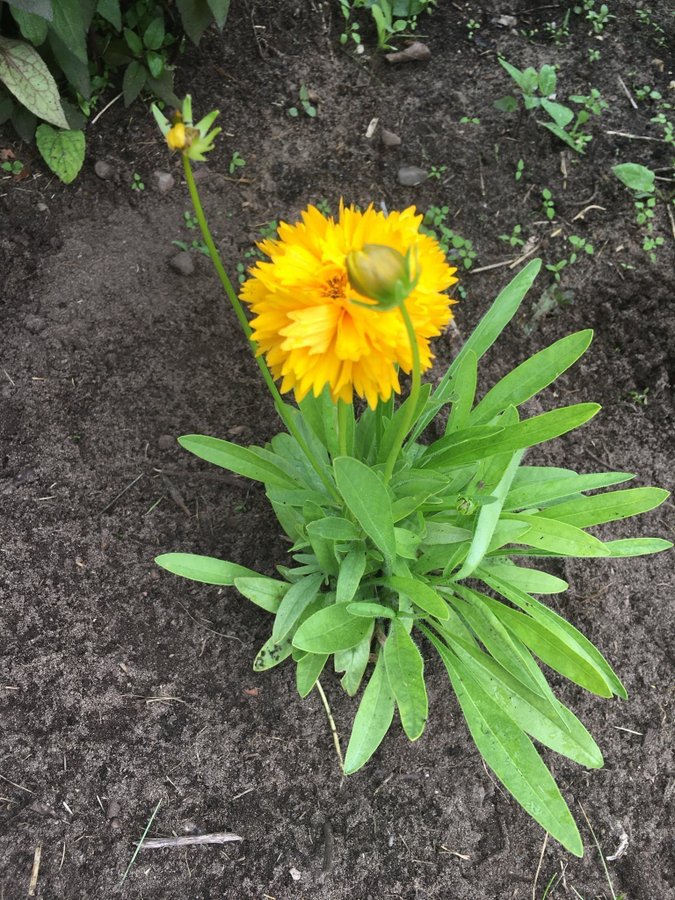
(382, 274)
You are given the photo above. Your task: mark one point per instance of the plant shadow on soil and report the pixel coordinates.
(121, 685)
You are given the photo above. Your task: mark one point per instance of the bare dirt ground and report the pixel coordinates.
(121, 686)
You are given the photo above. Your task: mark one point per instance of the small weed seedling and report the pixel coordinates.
(237, 162)
(559, 34)
(520, 169)
(537, 88)
(641, 181)
(458, 249)
(548, 204)
(593, 55)
(639, 397)
(391, 18)
(324, 208)
(190, 222)
(437, 172)
(473, 27)
(137, 183)
(578, 245)
(597, 18)
(515, 238)
(645, 18)
(12, 167)
(469, 120)
(305, 105)
(267, 231)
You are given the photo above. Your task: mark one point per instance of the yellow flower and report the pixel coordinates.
(176, 137)
(306, 324)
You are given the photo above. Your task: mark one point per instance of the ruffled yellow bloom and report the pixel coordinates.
(304, 322)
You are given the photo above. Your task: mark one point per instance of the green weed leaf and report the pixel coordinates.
(63, 151)
(25, 75)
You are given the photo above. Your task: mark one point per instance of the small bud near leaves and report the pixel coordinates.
(193, 141)
(381, 273)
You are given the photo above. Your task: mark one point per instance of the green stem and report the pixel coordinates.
(282, 409)
(413, 399)
(343, 413)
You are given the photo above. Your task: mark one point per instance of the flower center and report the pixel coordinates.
(335, 286)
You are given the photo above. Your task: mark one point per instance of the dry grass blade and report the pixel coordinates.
(219, 837)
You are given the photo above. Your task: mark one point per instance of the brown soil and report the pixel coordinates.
(121, 686)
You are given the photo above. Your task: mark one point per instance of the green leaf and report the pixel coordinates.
(370, 610)
(41, 8)
(547, 80)
(235, 458)
(33, 28)
(536, 430)
(420, 593)
(295, 602)
(354, 661)
(565, 630)
(308, 670)
(511, 755)
(633, 175)
(334, 528)
(484, 335)
(23, 72)
(506, 104)
(548, 721)
(330, 630)
(465, 380)
(588, 511)
(554, 484)
(196, 17)
(531, 376)
(206, 569)
(392, 428)
(135, 76)
(636, 547)
(71, 22)
(349, 577)
(445, 533)
(561, 115)
(219, 10)
(73, 68)
(63, 151)
(267, 593)
(488, 519)
(368, 500)
(271, 654)
(155, 63)
(153, 36)
(552, 648)
(133, 41)
(533, 581)
(563, 135)
(110, 10)
(558, 537)
(24, 122)
(405, 671)
(372, 719)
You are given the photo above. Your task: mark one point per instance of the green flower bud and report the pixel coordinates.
(380, 273)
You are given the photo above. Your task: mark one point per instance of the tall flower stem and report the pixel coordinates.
(284, 411)
(413, 398)
(343, 417)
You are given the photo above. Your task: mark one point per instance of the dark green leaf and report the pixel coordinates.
(35, 7)
(271, 654)
(335, 528)
(219, 9)
(153, 36)
(195, 16)
(33, 28)
(63, 151)
(110, 10)
(135, 76)
(71, 22)
(134, 43)
(76, 71)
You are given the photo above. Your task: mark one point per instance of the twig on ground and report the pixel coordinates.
(627, 92)
(602, 857)
(36, 870)
(331, 722)
(122, 493)
(636, 137)
(105, 109)
(539, 864)
(218, 837)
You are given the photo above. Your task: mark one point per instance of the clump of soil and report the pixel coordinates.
(122, 686)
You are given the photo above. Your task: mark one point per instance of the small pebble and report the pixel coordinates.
(183, 263)
(104, 170)
(115, 824)
(34, 324)
(295, 875)
(411, 175)
(163, 181)
(42, 207)
(114, 809)
(166, 442)
(389, 139)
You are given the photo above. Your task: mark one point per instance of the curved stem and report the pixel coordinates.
(413, 398)
(282, 409)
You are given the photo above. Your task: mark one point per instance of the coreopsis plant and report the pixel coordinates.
(403, 543)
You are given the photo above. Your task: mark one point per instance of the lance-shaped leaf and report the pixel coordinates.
(368, 500)
(405, 671)
(421, 594)
(295, 601)
(235, 458)
(349, 577)
(330, 630)
(511, 754)
(206, 569)
(558, 537)
(535, 486)
(588, 511)
(372, 719)
(267, 593)
(532, 581)
(532, 376)
(308, 670)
